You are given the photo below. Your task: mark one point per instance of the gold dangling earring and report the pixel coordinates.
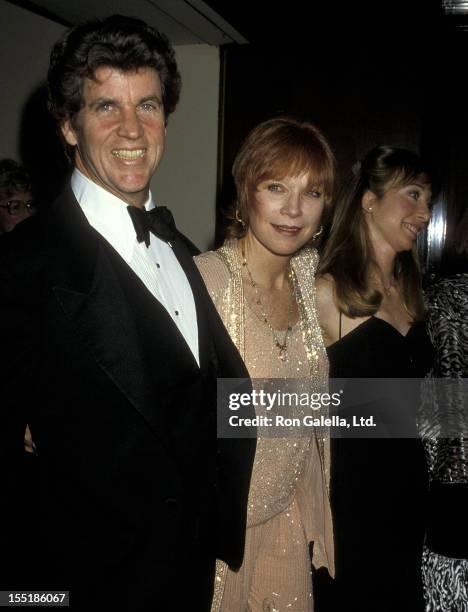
(317, 234)
(239, 218)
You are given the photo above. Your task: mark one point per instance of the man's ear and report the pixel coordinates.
(69, 133)
(368, 200)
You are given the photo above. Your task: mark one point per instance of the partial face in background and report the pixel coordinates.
(119, 133)
(285, 213)
(395, 219)
(15, 209)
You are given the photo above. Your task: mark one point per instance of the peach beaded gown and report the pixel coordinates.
(288, 503)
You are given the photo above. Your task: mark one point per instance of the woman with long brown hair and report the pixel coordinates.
(371, 310)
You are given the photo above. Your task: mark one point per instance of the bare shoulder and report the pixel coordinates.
(326, 307)
(325, 286)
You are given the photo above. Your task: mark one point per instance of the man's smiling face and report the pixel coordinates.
(119, 133)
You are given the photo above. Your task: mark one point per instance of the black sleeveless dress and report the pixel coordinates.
(378, 486)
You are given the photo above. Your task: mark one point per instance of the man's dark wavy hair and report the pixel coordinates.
(120, 42)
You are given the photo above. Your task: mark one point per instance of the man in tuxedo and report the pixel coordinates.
(113, 349)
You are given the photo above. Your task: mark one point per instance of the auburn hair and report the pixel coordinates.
(275, 149)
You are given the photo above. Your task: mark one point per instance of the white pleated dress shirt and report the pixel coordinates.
(156, 266)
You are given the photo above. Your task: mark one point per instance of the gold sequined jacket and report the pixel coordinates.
(222, 272)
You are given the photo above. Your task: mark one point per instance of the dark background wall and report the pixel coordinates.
(383, 73)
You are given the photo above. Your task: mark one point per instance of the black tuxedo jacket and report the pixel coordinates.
(134, 496)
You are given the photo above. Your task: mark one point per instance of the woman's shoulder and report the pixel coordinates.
(214, 271)
(207, 259)
(212, 263)
(307, 257)
(327, 309)
(325, 285)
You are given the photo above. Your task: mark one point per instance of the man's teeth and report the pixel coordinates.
(128, 154)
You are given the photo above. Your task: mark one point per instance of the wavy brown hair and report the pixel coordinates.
(348, 255)
(120, 42)
(275, 149)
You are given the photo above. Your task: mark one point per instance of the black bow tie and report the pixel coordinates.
(158, 220)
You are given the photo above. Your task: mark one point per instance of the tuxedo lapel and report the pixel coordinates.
(88, 291)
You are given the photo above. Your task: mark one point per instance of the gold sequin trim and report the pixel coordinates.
(231, 306)
(220, 581)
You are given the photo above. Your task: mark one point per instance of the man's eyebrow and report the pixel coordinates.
(99, 101)
(152, 97)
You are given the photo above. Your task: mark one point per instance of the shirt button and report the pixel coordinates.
(176, 313)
